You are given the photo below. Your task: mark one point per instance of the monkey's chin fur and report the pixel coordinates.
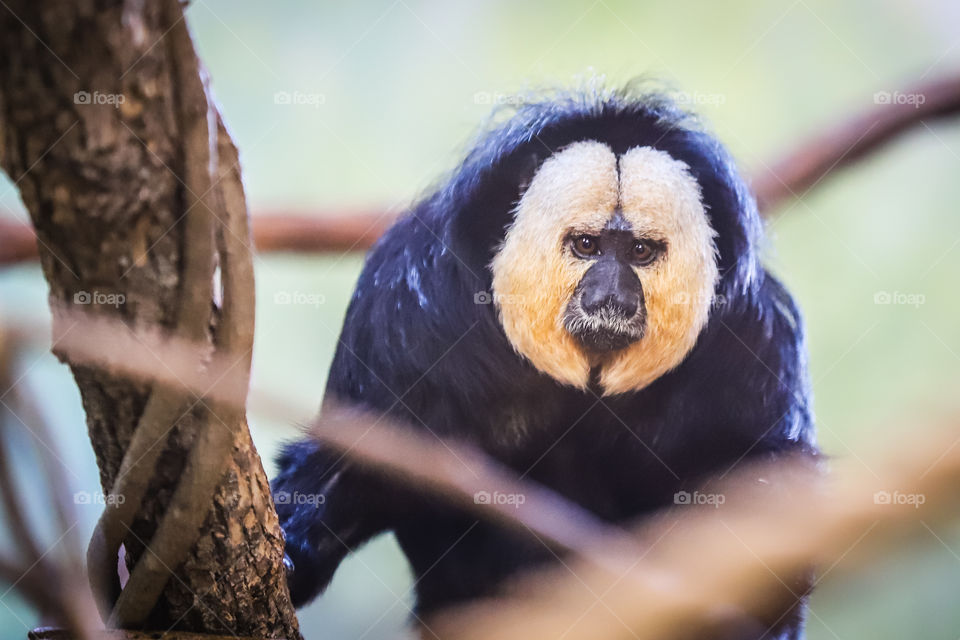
(600, 341)
(605, 331)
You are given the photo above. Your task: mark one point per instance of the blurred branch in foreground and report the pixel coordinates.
(686, 568)
(739, 556)
(790, 175)
(50, 579)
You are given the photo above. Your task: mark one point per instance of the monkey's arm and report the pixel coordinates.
(328, 506)
(388, 350)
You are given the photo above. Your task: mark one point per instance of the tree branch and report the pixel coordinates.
(852, 139)
(179, 529)
(48, 584)
(128, 198)
(791, 174)
(305, 232)
(685, 568)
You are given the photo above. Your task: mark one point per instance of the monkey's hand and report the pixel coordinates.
(327, 508)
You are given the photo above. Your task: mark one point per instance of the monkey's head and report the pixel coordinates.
(605, 223)
(609, 267)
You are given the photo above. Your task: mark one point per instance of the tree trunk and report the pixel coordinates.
(93, 131)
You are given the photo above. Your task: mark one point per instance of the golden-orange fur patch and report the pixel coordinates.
(661, 199)
(534, 275)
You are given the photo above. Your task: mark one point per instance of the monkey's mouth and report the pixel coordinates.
(604, 330)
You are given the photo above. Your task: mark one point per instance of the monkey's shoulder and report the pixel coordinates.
(749, 370)
(420, 324)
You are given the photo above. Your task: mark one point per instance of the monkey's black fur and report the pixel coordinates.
(422, 344)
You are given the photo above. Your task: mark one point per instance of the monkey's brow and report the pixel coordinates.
(618, 222)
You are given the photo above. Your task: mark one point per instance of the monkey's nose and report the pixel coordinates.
(595, 301)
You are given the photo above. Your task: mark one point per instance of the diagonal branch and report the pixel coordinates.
(791, 174)
(682, 568)
(853, 139)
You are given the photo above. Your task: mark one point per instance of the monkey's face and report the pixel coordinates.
(609, 266)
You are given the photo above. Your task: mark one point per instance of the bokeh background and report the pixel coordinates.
(386, 94)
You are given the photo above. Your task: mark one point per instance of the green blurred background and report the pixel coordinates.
(395, 89)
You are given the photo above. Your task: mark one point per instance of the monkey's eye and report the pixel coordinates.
(644, 252)
(585, 246)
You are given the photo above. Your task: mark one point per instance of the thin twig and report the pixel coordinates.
(16, 514)
(58, 488)
(28, 582)
(45, 582)
(9, 496)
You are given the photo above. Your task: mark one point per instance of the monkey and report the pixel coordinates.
(583, 299)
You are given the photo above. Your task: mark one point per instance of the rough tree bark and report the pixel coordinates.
(94, 132)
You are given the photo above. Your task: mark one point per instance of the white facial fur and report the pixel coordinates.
(579, 189)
